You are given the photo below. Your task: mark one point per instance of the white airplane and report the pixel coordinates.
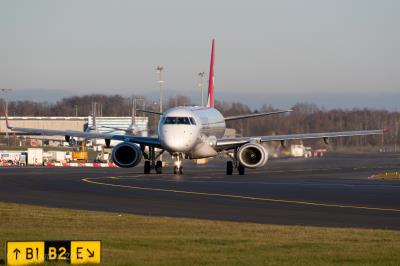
(192, 133)
(132, 129)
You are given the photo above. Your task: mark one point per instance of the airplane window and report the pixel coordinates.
(183, 121)
(176, 120)
(192, 121)
(170, 120)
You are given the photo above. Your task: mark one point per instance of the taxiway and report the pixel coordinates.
(331, 191)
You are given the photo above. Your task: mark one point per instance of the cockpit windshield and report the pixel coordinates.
(172, 120)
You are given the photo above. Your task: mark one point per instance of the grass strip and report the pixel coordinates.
(145, 240)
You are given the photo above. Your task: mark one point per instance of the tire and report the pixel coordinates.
(241, 169)
(229, 168)
(159, 167)
(147, 167)
(178, 171)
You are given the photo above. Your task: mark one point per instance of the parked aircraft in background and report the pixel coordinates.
(194, 132)
(132, 129)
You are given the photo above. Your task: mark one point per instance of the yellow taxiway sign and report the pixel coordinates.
(38, 252)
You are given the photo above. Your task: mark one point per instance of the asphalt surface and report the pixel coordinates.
(332, 191)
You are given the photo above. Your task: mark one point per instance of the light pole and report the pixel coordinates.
(133, 114)
(160, 82)
(397, 136)
(201, 74)
(76, 110)
(135, 104)
(4, 91)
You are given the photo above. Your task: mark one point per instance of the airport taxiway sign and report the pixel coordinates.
(24, 253)
(38, 252)
(85, 252)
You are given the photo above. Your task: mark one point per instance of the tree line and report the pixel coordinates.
(304, 118)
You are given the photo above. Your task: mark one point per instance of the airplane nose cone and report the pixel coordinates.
(175, 140)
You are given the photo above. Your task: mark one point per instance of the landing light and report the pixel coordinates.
(212, 141)
(178, 164)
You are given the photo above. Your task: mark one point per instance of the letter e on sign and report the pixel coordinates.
(85, 252)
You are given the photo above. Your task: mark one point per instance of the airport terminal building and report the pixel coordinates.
(73, 123)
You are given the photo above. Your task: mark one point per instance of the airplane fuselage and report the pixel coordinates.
(191, 130)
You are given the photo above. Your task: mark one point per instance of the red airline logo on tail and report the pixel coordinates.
(210, 102)
(6, 118)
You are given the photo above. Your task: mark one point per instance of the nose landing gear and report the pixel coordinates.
(178, 164)
(178, 170)
(234, 164)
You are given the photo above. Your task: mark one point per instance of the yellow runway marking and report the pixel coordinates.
(308, 203)
(167, 178)
(271, 171)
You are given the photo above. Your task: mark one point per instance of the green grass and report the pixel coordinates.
(142, 240)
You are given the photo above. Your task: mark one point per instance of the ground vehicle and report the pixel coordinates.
(13, 158)
(80, 153)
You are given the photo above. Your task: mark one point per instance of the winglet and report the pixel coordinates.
(210, 102)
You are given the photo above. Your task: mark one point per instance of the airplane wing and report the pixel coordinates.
(125, 130)
(229, 118)
(235, 117)
(153, 142)
(226, 143)
(116, 128)
(150, 112)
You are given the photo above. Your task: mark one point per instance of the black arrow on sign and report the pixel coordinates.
(16, 251)
(91, 255)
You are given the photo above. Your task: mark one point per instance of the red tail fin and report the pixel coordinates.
(210, 101)
(6, 118)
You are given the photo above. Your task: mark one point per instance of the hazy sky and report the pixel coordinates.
(337, 53)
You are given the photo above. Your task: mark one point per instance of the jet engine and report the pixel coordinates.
(126, 155)
(252, 155)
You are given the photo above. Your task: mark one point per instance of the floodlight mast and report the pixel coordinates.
(5, 91)
(201, 74)
(160, 82)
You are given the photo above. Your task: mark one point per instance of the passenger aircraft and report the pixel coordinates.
(194, 132)
(132, 129)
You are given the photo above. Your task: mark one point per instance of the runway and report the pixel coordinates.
(331, 191)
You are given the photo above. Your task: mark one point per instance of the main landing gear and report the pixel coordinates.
(151, 162)
(230, 165)
(234, 164)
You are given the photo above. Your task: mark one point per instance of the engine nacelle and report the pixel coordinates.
(126, 155)
(253, 155)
